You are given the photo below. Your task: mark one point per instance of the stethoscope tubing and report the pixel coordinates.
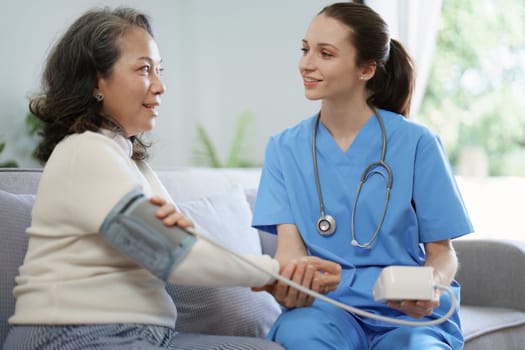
(326, 224)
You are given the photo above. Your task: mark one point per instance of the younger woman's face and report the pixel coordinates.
(328, 65)
(133, 88)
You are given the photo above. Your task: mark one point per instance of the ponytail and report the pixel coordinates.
(393, 82)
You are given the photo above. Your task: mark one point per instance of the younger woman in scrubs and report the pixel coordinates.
(362, 77)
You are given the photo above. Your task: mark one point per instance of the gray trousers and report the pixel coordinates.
(124, 336)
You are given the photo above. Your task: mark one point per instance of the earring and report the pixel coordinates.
(99, 96)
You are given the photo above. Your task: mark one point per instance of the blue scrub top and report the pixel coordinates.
(425, 203)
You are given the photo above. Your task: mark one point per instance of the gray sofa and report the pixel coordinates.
(491, 272)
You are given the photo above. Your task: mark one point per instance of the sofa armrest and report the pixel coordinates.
(491, 272)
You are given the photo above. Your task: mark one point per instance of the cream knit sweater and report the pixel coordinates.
(70, 275)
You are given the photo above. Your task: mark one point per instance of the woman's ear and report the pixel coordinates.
(97, 94)
(98, 82)
(367, 71)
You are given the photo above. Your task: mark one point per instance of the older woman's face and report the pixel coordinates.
(133, 89)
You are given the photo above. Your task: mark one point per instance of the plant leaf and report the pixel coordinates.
(205, 154)
(33, 124)
(235, 158)
(9, 164)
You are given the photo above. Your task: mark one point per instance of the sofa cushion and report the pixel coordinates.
(15, 217)
(226, 218)
(492, 328)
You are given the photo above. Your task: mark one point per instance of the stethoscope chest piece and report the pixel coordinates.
(326, 225)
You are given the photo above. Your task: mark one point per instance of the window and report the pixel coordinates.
(475, 101)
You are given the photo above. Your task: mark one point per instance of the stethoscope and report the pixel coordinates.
(326, 224)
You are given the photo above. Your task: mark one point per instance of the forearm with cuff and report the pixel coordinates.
(179, 255)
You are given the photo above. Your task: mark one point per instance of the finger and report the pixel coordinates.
(332, 273)
(165, 210)
(316, 286)
(307, 282)
(400, 306)
(281, 289)
(157, 200)
(173, 219)
(294, 294)
(169, 215)
(322, 288)
(184, 222)
(327, 266)
(426, 304)
(266, 288)
(392, 304)
(331, 282)
(426, 308)
(411, 308)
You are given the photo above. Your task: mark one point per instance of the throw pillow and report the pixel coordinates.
(15, 218)
(251, 196)
(268, 240)
(226, 218)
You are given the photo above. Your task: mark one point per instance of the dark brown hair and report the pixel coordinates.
(392, 85)
(87, 49)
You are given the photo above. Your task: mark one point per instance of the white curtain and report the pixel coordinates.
(415, 24)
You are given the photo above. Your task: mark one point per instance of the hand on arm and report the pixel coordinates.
(169, 214)
(442, 258)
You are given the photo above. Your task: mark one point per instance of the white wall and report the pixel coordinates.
(220, 58)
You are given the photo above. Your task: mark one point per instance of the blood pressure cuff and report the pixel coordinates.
(133, 228)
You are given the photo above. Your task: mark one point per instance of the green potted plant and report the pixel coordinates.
(205, 153)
